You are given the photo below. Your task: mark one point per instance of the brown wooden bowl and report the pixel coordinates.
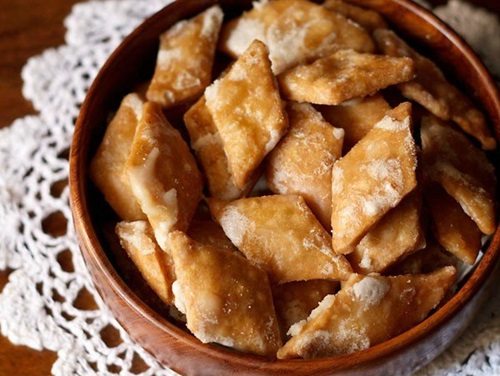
(143, 317)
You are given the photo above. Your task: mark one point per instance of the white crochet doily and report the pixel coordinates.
(40, 305)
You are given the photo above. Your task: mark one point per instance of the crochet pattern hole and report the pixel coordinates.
(85, 301)
(114, 369)
(57, 297)
(110, 336)
(138, 365)
(57, 187)
(65, 260)
(55, 224)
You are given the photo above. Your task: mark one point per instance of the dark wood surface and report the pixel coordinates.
(27, 27)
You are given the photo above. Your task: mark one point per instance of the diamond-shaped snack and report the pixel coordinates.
(227, 299)
(394, 237)
(185, 59)
(463, 170)
(294, 301)
(431, 89)
(210, 233)
(281, 235)
(356, 117)
(247, 111)
(107, 169)
(427, 260)
(369, 19)
(370, 311)
(302, 162)
(137, 238)
(344, 75)
(452, 228)
(295, 31)
(163, 174)
(207, 144)
(372, 178)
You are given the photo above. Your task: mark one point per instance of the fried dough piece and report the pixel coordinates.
(295, 31)
(344, 75)
(431, 89)
(452, 228)
(462, 169)
(425, 261)
(208, 232)
(281, 235)
(163, 174)
(185, 59)
(246, 108)
(227, 299)
(294, 301)
(137, 238)
(356, 117)
(372, 178)
(395, 236)
(302, 162)
(107, 169)
(370, 311)
(207, 144)
(369, 19)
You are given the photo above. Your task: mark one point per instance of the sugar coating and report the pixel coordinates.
(389, 174)
(179, 301)
(322, 307)
(142, 176)
(211, 21)
(135, 234)
(135, 103)
(392, 125)
(338, 133)
(235, 224)
(370, 290)
(274, 137)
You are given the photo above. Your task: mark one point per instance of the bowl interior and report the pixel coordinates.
(133, 62)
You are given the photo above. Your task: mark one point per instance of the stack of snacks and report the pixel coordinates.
(367, 210)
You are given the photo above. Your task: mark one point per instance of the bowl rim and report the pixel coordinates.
(94, 252)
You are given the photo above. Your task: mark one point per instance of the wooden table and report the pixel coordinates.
(27, 27)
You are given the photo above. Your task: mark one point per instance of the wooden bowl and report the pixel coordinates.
(131, 63)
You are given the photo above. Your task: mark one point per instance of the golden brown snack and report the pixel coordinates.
(425, 261)
(344, 75)
(368, 312)
(281, 235)
(431, 89)
(137, 238)
(207, 144)
(463, 170)
(185, 59)
(302, 162)
(394, 237)
(369, 19)
(227, 299)
(372, 178)
(246, 108)
(452, 228)
(294, 301)
(295, 31)
(356, 117)
(107, 169)
(208, 232)
(163, 174)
